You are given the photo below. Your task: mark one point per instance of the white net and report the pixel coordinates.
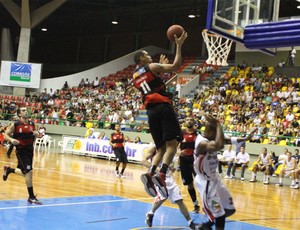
(218, 48)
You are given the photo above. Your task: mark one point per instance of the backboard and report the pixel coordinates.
(230, 17)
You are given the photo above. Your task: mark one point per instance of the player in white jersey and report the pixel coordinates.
(289, 167)
(217, 200)
(264, 164)
(173, 192)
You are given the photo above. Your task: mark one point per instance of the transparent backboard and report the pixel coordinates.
(229, 17)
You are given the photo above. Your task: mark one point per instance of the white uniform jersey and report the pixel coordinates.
(264, 159)
(289, 163)
(206, 165)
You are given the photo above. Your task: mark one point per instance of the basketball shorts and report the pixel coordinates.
(187, 169)
(25, 159)
(173, 190)
(121, 155)
(163, 124)
(215, 196)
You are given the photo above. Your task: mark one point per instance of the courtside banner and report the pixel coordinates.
(101, 148)
(20, 74)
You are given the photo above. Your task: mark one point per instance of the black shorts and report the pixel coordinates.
(163, 124)
(187, 169)
(25, 159)
(121, 155)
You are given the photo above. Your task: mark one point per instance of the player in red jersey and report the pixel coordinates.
(117, 142)
(21, 134)
(163, 123)
(186, 158)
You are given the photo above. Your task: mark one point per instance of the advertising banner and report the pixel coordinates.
(98, 147)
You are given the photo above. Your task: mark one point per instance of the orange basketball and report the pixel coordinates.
(174, 29)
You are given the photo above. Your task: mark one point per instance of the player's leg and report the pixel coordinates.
(187, 176)
(124, 161)
(118, 161)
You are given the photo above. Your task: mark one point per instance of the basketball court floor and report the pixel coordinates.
(80, 192)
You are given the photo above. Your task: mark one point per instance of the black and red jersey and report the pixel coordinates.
(118, 139)
(24, 134)
(188, 142)
(151, 86)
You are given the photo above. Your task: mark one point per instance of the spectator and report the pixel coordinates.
(227, 158)
(91, 134)
(242, 160)
(137, 140)
(65, 86)
(103, 136)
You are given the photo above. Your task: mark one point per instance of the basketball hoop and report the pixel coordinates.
(218, 48)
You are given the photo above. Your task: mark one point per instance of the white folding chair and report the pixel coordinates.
(42, 142)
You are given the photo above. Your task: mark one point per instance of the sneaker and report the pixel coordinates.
(279, 184)
(226, 177)
(34, 200)
(196, 209)
(274, 175)
(232, 177)
(5, 172)
(253, 180)
(294, 186)
(205, 226)
(242, 179)
(117, 174)
(121, 175)
(148, 184)
(160, 181)
(266, 182)
(149, 219)
(194, 226)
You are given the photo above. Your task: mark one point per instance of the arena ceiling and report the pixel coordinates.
(83, 18)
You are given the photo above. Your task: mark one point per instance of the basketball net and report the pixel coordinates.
(218, 48)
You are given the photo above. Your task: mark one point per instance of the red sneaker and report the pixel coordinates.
(148, 184)
(160, 181)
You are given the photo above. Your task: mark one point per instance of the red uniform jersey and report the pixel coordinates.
(24, 134)
(188, 142)
(118, 139)
(151, 86)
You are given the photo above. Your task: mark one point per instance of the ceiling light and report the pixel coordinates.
(192, 16)
(298, 7)
(114, 21)
(44, 29)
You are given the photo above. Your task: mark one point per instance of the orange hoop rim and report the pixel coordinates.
(210, 33)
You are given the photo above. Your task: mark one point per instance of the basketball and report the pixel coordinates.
(174, 29)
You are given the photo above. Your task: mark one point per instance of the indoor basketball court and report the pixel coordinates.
(81, 192)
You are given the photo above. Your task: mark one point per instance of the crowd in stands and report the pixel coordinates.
(242, 98)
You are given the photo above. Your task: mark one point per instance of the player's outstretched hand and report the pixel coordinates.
(179, 41)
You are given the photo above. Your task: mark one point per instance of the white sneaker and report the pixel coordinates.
(294, 186)
(242, 179)
(266, 182)
(253, 179)
(232, 177)
(117, 174)
(121, 175)
(279, 184)
(226, 177)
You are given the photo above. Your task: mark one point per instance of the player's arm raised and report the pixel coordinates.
(163, 68)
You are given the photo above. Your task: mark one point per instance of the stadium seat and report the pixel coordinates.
(282, 143)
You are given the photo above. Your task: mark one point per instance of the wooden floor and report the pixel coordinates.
(66, 175)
